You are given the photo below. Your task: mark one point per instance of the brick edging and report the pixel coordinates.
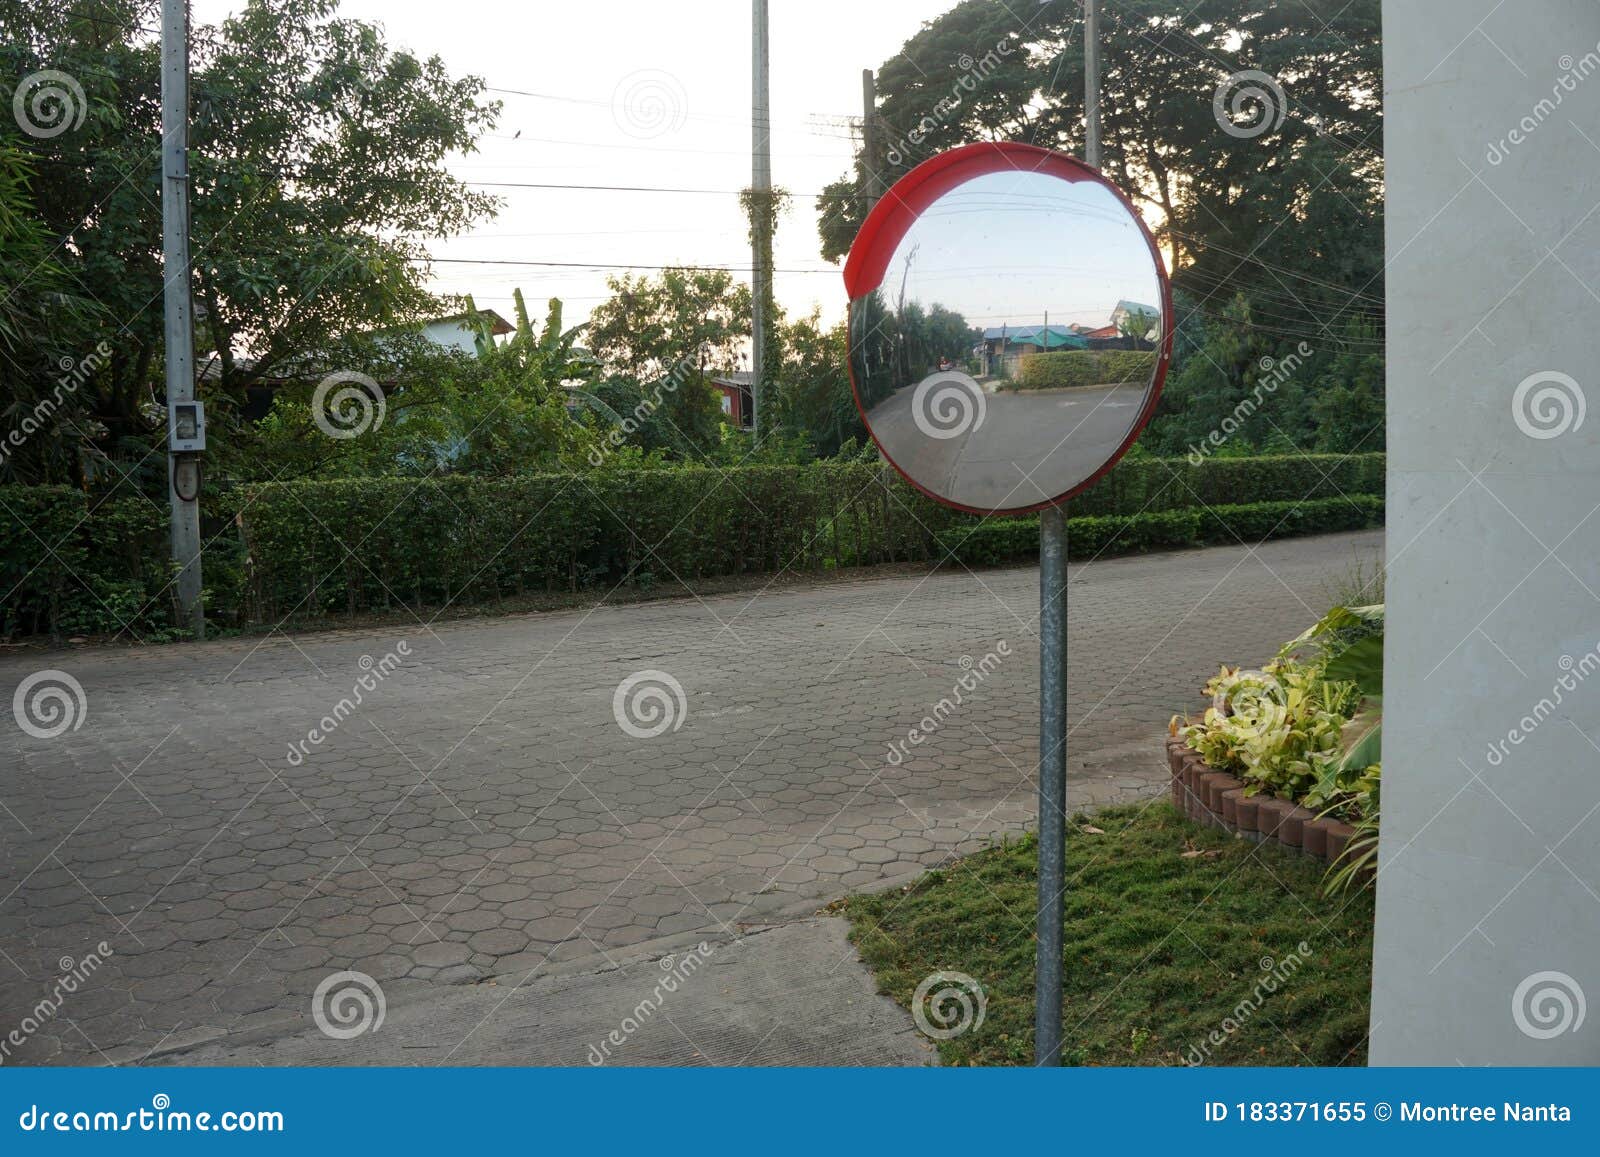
(1217, 798)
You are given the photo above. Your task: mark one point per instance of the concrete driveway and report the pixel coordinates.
(230, 824)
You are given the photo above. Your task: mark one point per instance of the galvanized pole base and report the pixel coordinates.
(1052, 782)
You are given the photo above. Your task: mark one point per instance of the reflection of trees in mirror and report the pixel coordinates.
(901, 347)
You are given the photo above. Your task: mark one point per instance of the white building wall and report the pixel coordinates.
(1489, 884)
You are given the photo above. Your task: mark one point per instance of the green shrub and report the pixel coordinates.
(70, 566)
(1083, 368)
(302, 549)
(1015, 539)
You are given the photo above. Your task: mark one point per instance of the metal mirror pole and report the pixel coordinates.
(1052, 781)
(1053, 676)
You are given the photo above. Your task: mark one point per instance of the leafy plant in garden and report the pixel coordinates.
(1277, 728)
(1308, 727)
(1349, 641)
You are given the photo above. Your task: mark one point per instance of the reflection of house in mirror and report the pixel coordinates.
(1005, 345)
(1133, 326)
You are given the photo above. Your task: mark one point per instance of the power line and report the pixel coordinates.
(606, 265)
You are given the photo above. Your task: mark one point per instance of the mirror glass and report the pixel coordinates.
(1013, 345)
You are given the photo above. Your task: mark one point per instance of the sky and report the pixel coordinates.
(643, 93)
(1011, 248)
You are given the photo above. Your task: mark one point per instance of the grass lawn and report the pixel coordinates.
(1183, 945)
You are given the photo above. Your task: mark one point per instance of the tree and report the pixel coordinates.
(1245, 131)
(813, 394)
(316, 166)
(658, 342)
(46, 342)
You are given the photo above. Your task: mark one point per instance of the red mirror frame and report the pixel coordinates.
(886, 225)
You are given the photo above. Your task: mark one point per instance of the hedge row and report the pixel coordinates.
(303, 549)
(68, 567)
(1083, 368)
(1014, 539)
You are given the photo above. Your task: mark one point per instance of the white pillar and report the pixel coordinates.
(1489, 884)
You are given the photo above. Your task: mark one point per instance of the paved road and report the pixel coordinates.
(233, 835)
(1021, 448)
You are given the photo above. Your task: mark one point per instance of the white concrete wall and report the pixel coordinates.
(1490, 863)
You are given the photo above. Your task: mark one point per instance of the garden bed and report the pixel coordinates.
(1219, 799)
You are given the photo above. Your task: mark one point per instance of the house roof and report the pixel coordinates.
(1056, 337)
(1136, 307)
(743, 378)
(498, 325)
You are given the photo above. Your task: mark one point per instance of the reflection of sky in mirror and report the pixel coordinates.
(1007, 248)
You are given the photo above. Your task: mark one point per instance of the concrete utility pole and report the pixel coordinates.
(1091, 82)
(871, 146)
(183, 465)
(1051, 914)
(761, 231)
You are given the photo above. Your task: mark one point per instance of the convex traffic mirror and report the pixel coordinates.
(1010, 325)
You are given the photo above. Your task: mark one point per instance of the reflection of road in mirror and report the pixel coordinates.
(1001, 448)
